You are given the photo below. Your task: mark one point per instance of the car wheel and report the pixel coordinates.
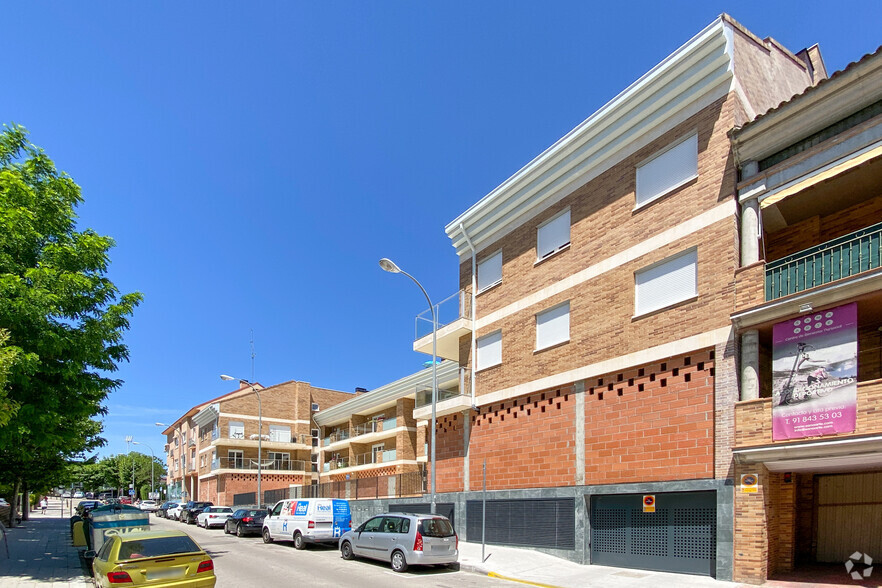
(298, 540)
(346, 550)
(239, 531)
(267, 538)
(226, 529)
(399, 564)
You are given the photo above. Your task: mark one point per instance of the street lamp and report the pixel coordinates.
(129, 440)
(259, 432)
(389, 266)
(152, 460)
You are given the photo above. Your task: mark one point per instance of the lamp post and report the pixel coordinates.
(129, 440)
(152, 460)
(259, 432)
(389, 266)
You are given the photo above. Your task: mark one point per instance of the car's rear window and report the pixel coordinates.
(141, 548)
(436, 528)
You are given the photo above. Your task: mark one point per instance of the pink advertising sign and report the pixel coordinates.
(814, 374)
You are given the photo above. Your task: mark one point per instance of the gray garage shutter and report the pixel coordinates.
(680, 536)
(531, 523)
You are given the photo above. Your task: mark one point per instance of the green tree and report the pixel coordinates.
(7, 358)
(64, 317)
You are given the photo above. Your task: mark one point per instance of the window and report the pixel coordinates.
(668, 170)
(315, 437)
(315, 407)
(489, 350)
(490, 271)
(666, 283)
(553, 326)
(236, 459)
(553, 235)
(280, 433)
(237, 430)
(281, 461)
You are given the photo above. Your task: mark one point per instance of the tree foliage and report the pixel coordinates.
(65, 319)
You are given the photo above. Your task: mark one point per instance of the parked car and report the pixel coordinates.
(191, 510)
(162, 511)
(174, 512)
(307, 520)
(79, 494)
(125, 500)
(403, 539)
(245, 521)
(155, 558)
(3, 502)
(148, 505)
(213, 516)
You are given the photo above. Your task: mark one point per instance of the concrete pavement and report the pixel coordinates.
(530, 567)
(41, 552)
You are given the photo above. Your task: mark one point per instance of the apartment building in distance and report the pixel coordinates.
(600, 383)
(213, 447)
(808, 315)
(371, 445)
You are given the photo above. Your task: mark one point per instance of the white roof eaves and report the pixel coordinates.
(404, 387)
(704, 53)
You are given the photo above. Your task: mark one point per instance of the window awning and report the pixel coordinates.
(207, 415)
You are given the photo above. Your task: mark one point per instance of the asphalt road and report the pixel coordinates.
(247, 561)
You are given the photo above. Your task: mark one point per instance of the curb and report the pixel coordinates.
(476, 569)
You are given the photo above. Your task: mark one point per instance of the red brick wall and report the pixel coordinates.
(449, 453)
(651, 423)
(527, 442)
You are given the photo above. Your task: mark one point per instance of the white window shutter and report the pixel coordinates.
(489, 350)
(553, 326)
(553, 235)
(490, 271)
(671, 169)
(667, 283)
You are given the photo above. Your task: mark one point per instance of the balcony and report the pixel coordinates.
(335, 464)
(248, 464)
(454, 321)
(376, 457)
(270, 442)
(837, 259)
(336, 436)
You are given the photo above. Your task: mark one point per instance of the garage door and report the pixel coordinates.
(680, 536)
(849, 516)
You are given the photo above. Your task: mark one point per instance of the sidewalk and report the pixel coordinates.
(539, 569)
(41, 552)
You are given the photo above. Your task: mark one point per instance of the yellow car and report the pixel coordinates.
(158, 559)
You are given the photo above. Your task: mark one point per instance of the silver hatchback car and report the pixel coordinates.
(403, 539)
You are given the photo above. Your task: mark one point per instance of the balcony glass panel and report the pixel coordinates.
(839, 258)
(450, 309)
(239, 463)
(338, 435)
(424, 396)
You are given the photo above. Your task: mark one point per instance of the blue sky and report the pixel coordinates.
(254, 161)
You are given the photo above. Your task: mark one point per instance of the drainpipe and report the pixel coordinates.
(474, 302)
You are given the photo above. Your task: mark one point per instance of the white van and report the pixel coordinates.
(307, 520)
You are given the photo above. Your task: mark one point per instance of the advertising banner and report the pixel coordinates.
(814, 374)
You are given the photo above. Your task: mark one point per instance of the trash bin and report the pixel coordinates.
(119, 517)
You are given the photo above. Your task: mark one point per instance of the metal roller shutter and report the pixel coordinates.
(530, 523)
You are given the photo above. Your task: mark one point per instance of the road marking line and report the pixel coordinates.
(501, 577)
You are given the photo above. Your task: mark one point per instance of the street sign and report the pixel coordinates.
(749, 483)
(131, 491)
(649, 503)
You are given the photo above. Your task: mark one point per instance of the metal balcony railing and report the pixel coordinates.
(424, 396)
(839, 258)
(215, 434)
(374, 427)
(247, 463)
(338, 435)
(450, 309)
(335, 464)
(376, 457)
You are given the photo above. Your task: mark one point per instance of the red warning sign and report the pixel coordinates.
(649, 503)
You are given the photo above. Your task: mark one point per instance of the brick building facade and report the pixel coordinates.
(810, 202)
(213, 448)
(598, 346)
